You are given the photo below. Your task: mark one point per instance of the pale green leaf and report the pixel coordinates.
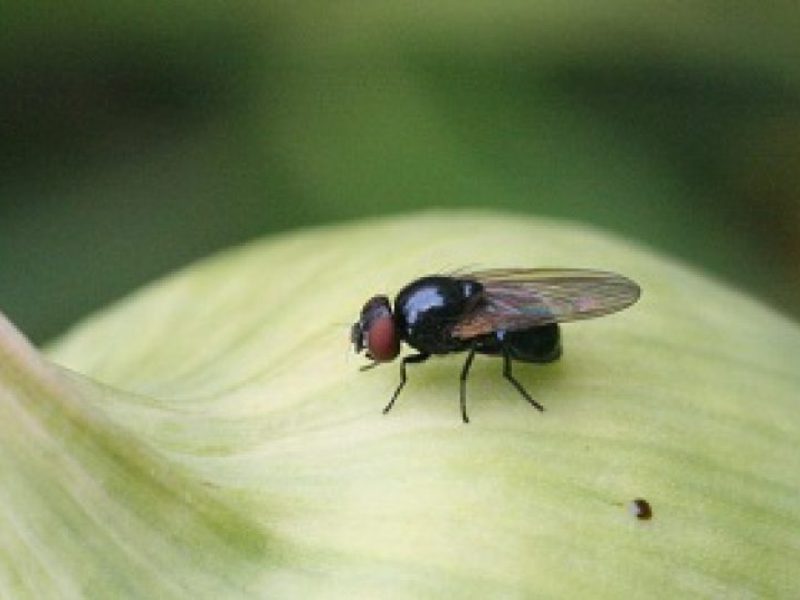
(247, 455)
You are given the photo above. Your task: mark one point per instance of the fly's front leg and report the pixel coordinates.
(414, 358)
(507, 374)
(464, 371)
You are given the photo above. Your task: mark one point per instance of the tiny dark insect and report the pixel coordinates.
(513, 313)
(641, 509)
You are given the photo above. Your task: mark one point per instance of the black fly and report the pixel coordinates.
(513, 313)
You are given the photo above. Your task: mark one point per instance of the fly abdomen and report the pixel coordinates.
(540, 344)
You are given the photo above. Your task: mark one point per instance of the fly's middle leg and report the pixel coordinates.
(464, 372)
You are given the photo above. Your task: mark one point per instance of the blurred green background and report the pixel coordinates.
(136, 136)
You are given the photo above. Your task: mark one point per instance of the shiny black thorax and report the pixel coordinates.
(426, 310)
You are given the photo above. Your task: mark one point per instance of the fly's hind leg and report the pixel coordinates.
(507, 374)
(414, 358)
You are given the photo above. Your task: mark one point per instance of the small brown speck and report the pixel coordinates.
(641, 509)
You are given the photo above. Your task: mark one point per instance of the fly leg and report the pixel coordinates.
(507, 374)
(464, 371)
(414, 358)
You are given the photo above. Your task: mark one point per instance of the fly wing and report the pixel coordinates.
(515, 299)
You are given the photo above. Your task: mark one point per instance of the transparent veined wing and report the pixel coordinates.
(515, 299)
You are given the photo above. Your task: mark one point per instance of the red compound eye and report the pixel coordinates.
(382, 342)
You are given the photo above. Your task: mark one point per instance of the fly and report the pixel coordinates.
(509, 313)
